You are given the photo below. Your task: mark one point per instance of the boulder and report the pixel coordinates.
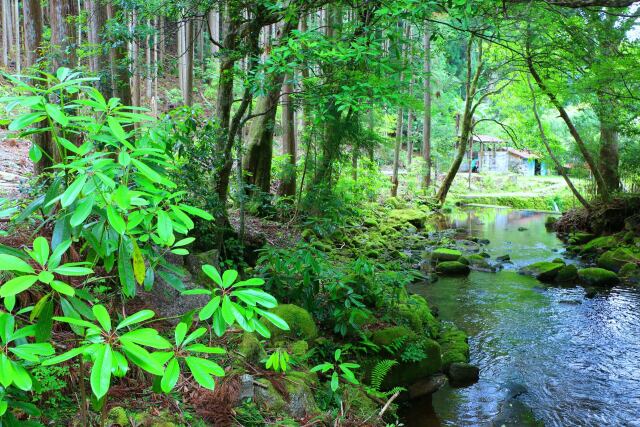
(504, 258)
(195, 261)
(452, 268)
(598, 245)
(251, 349)
(463, 374)
(426, 386)
(550, 222)
(544, 271)
(595, 276)
(632, 223)
(454, 346)
(444, 254)
(478, 262)
(580, 238)
(630, 272)
(300, 321)
(300, 402)
(614, 259)
(414, 217)
(567, 273)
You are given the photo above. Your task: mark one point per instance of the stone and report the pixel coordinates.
(614, 259)
(463, 374)
(444, 254)
(544, 271)
(632, 223)
(558, 261)
(580, 238)
(454, 346)
(426, 386)
(594, 276)
(483, 241)
(251, 349)
(567, 273)
(452, 268)
(598, 245)
(478, 262)
(522, 228)
(300, 321)
(414, 217)
(195, 261)
(504, 258)
(247, 388)
(550, 222)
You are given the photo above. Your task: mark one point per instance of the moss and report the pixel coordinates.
(629, 269)
(568, 273)
(118, 417)
(370, 222)
(307, 234)
(268, 398)
(558, 261)
(414, 217)
(598, 245)
(251, 348)
(550, 222)
(455, 348)
(395, 203)
(464, 260)
(452, 268)
(444, 254)
(301, 324)
(613, 260)
(595, 276)
(580, 238)
(361, 406)
(544, 271)
(388, 335)
(299, 348)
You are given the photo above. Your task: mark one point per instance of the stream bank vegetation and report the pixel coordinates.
(229, 199)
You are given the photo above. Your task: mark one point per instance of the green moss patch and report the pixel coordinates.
(544, 271)
(613, 260)
(452, 268)
(444, 254)
(595, 276)
(301, 324)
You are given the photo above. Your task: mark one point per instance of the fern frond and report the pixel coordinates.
(380, 371)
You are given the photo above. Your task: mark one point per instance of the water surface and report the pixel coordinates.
(574, 360)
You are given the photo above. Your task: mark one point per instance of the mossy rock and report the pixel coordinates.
(598, 245)
(360, 405)
(300, 321)
(558, 261)
(595, 276)
(479, 262)
(118, 417)
(544, 271)
(464, 260)
(613, 260)
(395, 203)
(250, 348)
(629, 269)
(417, 314)
(454, 346)
(550, 222)
(414, 217)
(567, 273)
(444, 254)
(195, 261)
(452, 268)
(580, 238)
(370, 222)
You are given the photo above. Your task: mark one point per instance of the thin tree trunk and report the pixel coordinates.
(118, 63)
(189, 47)
(426, 120)
(149, 74)
(396, 153)
(135, 62)
(555, 160)
(62, 32)
(288, 186)
(16, 14)
(5, 33)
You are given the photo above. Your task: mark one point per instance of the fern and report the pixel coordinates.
(396, 345)
(380, 371)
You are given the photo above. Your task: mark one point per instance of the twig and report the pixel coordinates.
(389, 402)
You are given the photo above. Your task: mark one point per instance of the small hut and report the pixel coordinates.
(491, 154)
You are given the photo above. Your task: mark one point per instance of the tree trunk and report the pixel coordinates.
(118, 64)
(62, 32)
(426, 120)
(99, 62)
(5, 33)
(148, 73)
(16, 14)
(288, 186)
(396, 153)
(136, 90)
(609, 158)
(555, 160)
(471, 87)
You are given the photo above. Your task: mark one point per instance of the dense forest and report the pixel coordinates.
(340, 213)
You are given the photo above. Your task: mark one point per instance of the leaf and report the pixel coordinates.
(56, 255)
(25, 120)
(116, 220)
(71, 193)
(64, 356)
(21, 378)
(228, 277)
(13, 263)
(208, 310)
(139, 269)
(276, 320)
(56, 114)
(195, 335)
(62, 288)
(45, 277)
(197, 212)
(202, 370)
(72, 270)
(171, 375)
(125, 271)
(17, 285)
(78, 322)
(180, 332)
(141, 357)
(212, 272)
(227, 312)
(40, 251)
(334, 382)
(165, 227)
(101, 371)
(147, 337)
(118, 131)
(201, 348)
(138, 317)
(102, 316)
(82, 211)
(6, 371)
(151, 174)
(256, 296)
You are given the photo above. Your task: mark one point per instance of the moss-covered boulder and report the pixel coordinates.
(567, 273)
(598, 245)
(630, 273)
(250, 348)
(613, 260)
(395, 341)
(550, 222)
(416, 314)
(595, 276)
(479, 262)
(414, 217)
(300, 321)
(445, 254)
(452, 268)
(463, 374)
(544, 271)
(454, 346)
(300, 402)
(117, 417)
(580, 238)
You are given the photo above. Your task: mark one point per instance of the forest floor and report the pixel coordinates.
(15, 165)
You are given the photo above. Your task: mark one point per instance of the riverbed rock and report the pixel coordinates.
(452, 268)
(444, 254)
(251, 348)
(504, 258)
(544, 271)
(550, 222)
(463, 374)
(567, 273)
(454, 346)
(480, 263)
(595, 276)
(580, 238)
(300, 321)
(414, 217)
(300, 401)
(598, 245)
(613, 260)
(426, 386)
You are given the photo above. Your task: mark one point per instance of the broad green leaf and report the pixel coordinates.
(78, 322)
(201, 348)
(82, 211)
(26, 120)
(171, 375)
(45, 277)
(101, 371)
(35, 153)
(260, 328)
(13, 263)
(56, 255)
(56, 114)
(139, 269)
(72, 270)
(195, 335)
(125, 271)
(208, 310)
(227, 311)
(71, 193)
(138, 317)
(6, 371)
(197, 212)
(256, 296)
(165, 227)
(202, 370)
(334, 382)
(147, 337)
(21, 378)
(228, 277)
(212, 272)
(141, 357)
(180, 332)
(40, 251)
(102, 316)
(62, 288)
(17, 285)
(116, 221)
(196, 292)
(276, 320)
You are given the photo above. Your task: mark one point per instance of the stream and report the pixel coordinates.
(551, 351)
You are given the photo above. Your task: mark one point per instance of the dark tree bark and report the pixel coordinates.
(288, 186)
(63, 32)
(118, 64)
(426, 120)
(99, 62)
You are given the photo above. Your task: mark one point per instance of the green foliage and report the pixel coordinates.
(278, 360)
(337, 369)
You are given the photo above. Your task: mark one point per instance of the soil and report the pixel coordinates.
(15, 166)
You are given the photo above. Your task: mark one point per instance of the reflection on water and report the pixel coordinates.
(575, 358)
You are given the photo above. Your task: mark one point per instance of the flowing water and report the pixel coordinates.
(570, 359)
